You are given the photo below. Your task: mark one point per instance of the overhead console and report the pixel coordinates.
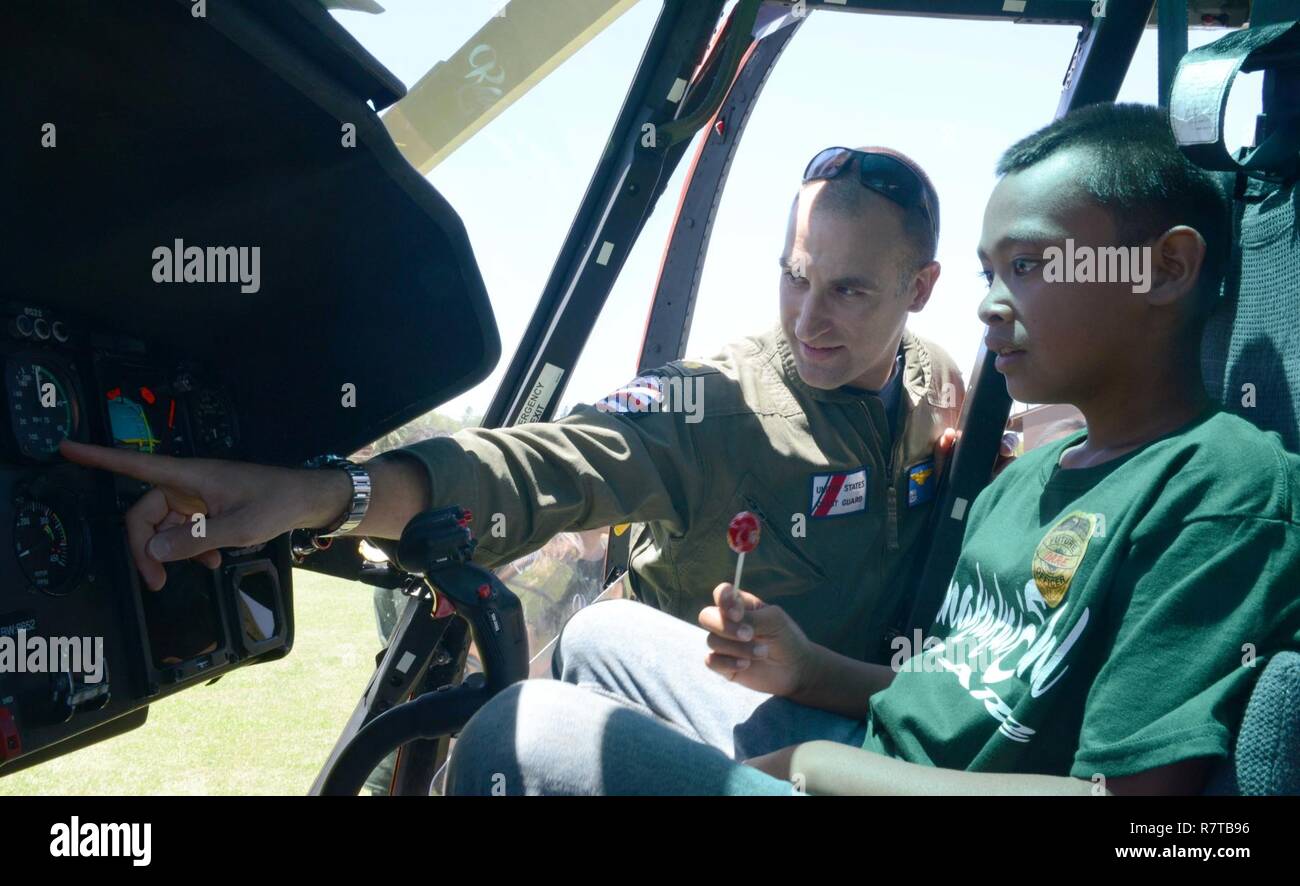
(210, 240)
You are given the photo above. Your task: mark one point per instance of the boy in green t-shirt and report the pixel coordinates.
(1117, 591)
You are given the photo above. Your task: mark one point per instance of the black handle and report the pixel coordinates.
(438, 545)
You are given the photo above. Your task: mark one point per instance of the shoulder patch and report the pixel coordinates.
(670, 392)
(642, 394)
(920, 483)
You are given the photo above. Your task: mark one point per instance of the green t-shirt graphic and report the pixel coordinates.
(1101, 620)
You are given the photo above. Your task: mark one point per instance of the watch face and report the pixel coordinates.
(326, 461)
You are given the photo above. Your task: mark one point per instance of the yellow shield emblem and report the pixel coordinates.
(1059, 554)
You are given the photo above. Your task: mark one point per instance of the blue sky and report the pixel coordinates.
(950, 94)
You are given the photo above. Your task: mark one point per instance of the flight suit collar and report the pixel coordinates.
(916, 372)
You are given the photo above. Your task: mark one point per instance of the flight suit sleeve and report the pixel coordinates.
(591, 469)
(950, 386)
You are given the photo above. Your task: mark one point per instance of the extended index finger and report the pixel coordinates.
(156, 469)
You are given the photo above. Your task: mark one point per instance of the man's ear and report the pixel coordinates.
(1175, 268)
(922, 285)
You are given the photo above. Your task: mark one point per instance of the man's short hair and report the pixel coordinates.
(1136, 170)
(846, 193)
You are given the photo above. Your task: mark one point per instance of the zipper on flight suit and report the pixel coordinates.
(891, 499)
(891, 489)
(896, 467)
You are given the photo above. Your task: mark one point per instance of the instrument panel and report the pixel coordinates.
(140, 407)
(65, 572)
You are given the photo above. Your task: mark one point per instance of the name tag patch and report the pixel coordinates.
(837, 494)
(920, 483)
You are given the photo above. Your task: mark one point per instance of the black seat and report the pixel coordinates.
(1251, 349)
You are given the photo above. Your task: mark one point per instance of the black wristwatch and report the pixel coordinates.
(361, 493)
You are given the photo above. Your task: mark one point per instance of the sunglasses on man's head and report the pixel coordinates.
(882, 173)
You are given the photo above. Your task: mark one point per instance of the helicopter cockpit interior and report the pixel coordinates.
(223, 245)
(197, 281)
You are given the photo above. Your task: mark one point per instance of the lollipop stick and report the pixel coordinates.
(740, 564)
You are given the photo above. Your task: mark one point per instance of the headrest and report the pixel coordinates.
(1200, 98)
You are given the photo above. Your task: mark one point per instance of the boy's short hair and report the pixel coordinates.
(1138, 172)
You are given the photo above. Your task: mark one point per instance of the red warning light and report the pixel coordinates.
(114, 394)
(147, 395)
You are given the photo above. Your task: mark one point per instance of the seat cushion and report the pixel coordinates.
(1267, 759)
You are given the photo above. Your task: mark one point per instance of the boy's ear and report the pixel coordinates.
(1176, 259)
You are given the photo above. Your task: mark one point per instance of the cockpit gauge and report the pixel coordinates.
(49, 545)
(43, 403)
(143, 417)
(215, 429)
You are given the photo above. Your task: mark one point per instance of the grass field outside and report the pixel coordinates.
(262, 730)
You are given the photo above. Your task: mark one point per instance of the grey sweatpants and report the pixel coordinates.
(634, 710)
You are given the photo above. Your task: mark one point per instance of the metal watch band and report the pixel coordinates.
(356, 512)
(361, 494)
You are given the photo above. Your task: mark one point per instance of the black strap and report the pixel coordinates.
(1200, 99)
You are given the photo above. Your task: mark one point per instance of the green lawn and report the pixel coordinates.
(265, 729)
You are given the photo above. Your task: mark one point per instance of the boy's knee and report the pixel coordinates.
(593, 634)
(510, 746)
(485, 747)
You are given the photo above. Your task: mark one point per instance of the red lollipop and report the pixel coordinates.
(742, 536)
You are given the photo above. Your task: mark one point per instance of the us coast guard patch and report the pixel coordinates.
(1059, 554)
(837, 494)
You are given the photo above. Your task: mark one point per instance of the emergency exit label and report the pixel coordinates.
(540, 396)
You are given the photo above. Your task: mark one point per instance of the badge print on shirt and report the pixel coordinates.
(1059, 554)
(920, 483)
(836, 494)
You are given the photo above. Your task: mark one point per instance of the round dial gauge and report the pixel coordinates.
(47, 545)
(213, 422)
(43, 408)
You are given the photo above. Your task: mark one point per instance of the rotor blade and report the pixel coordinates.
(517, 48)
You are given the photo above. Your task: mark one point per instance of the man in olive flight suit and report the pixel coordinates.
(825, 428)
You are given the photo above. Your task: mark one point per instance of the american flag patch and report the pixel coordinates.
(644, 393)
(836, 494)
